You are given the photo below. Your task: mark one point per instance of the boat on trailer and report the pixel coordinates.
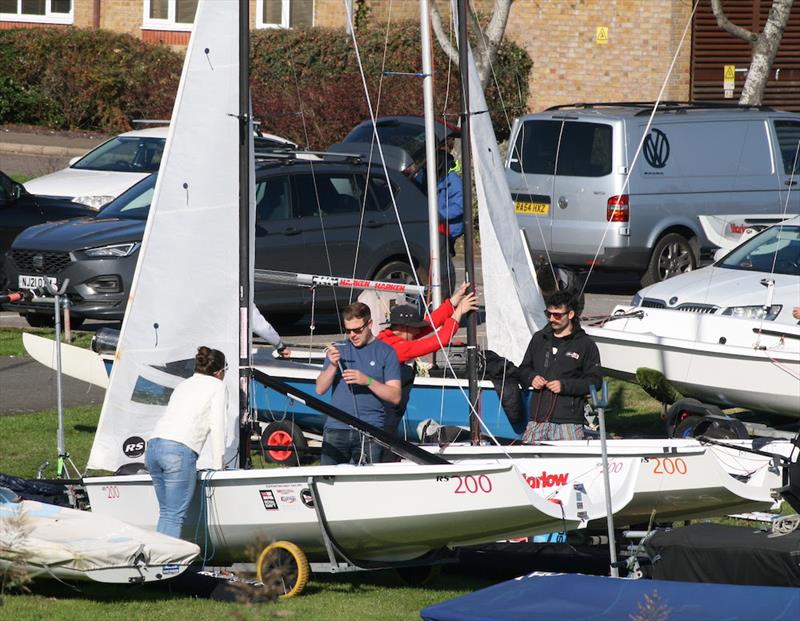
(725, 361)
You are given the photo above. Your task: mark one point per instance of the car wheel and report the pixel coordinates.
(672, 255)
(396, 271)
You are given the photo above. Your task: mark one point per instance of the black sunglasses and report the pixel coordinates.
(356, 330)
(555, 314)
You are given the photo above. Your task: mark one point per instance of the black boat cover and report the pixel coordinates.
(725, 554)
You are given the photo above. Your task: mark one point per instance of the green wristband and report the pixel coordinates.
(369, 380)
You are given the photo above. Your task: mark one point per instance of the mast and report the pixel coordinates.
(245, 136)
(430, 154)
(469, 253)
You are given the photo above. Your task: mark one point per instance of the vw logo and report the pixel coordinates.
(38, 262)
(656, 148)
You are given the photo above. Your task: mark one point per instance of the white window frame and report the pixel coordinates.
(285, 12)
(164, 24)
(48, 17)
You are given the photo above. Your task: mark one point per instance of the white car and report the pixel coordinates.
(106, 171)
(758, 278)
(116, 165)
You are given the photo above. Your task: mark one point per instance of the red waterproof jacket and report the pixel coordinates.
(408, 350)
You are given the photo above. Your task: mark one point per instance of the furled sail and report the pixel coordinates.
(186, 286)
(514, 305)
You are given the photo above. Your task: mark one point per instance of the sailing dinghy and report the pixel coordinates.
(185, 293)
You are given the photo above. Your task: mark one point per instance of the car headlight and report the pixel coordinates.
(636, 300)
(115, 250)
(95, 202)
(753, 312)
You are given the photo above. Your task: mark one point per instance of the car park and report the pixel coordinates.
(582, 201)
(330, 217)
(20, 209)
(108, 170)
(737, 285)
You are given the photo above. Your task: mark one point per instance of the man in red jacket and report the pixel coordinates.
(412, 336)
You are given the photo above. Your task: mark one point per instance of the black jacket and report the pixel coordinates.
(576, 365)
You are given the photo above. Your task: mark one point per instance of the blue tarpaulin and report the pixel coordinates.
(570, 597)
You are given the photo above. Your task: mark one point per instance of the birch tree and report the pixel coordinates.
(764, 44)
(488, 39)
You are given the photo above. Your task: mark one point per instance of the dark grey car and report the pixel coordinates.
(308, 219)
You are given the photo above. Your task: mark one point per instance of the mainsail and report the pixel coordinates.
(514, 305)
(168, 314)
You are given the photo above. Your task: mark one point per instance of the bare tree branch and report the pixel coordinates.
(729, 26)
(765, 46)
(441, 36)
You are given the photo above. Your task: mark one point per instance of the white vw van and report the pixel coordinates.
(580, 192)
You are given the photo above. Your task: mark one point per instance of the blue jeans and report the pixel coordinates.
(348, 446)
(173, 468)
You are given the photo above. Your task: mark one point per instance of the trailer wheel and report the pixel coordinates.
(720, 430)
(286, 434)
(283, 568)
(686, 428)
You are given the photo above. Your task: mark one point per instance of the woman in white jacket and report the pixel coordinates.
(196, 411)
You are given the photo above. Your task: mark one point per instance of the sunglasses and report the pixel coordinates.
(555, 314)
(356, 330)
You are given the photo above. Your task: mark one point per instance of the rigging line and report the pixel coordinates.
(645, 132)
(372, 145)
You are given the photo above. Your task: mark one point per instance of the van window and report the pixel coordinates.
(789, 143)
(379, 190)
(584, 150)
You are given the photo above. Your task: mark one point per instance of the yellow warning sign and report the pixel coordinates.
(601, 35)
(729, 78)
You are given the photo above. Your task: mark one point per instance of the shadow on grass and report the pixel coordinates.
(628, 420)
(85, 428)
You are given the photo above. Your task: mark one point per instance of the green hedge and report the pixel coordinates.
(306, 83)
(84, 79)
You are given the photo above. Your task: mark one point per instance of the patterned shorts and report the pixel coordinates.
(536, 432)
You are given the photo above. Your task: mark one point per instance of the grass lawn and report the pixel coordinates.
(11, 339)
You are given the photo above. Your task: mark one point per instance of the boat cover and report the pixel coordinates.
(725, 554)
(65, 542)
(574, 597)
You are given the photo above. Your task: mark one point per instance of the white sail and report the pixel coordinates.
(514, 305)
(190, 246)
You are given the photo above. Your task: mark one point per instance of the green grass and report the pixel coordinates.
(20, 178)
(11, 339)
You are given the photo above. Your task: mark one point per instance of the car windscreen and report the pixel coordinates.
(124, 154)
(775, 250)
(133, 204)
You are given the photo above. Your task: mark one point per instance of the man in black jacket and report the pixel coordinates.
(560, 364)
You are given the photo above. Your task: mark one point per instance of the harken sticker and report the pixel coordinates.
(268, 498)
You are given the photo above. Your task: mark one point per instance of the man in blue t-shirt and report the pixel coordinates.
(364, 373)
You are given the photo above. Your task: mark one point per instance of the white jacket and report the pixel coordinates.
(196, 410)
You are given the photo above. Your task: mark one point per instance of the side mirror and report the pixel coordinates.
(74, 159)
(721, 252)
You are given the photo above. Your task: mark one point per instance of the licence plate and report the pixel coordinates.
(34, 282)
(531, 209)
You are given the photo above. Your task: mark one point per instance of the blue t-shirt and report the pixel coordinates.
(376, 359)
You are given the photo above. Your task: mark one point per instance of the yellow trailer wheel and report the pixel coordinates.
(283, 567)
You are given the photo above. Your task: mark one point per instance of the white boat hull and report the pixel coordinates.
(719, 360)
(672, 479)
(383, 513)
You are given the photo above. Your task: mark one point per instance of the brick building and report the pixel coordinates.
(583, 50)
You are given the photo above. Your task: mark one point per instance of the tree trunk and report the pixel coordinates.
(765, 46)
(488, 40)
